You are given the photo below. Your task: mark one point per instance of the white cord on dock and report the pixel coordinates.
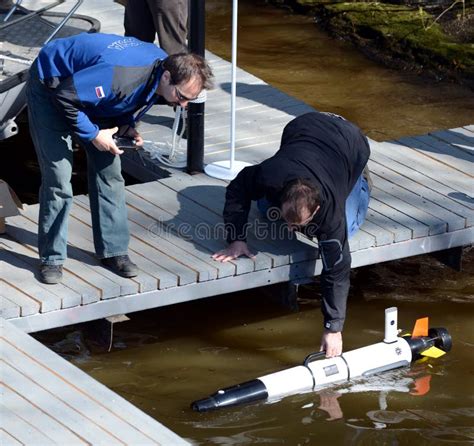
(171, 153)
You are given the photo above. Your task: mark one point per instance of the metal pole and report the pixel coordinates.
(235, 6)
(228, 170)
(196, 44)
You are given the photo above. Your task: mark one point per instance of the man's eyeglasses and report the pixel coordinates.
(181, 97)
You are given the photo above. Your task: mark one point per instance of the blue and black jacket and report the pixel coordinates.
(331, 152)
(100, 80)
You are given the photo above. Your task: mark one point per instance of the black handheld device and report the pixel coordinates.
(125, 142)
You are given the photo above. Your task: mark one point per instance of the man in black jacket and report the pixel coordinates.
(316, 180)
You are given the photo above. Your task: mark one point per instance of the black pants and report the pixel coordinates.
(167, 18)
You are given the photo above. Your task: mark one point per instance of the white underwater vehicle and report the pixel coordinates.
(316, 373)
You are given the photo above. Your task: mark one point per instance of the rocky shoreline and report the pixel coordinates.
(437, 42)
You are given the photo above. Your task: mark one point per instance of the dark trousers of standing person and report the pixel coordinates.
(52, 137)
(167, 18)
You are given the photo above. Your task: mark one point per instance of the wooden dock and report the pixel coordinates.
(422, 201)
(45, 400)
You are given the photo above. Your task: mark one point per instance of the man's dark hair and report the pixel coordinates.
(299, 194)
(184, 66)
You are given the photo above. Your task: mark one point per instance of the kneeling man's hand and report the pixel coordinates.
(234, 250)
(331, 343)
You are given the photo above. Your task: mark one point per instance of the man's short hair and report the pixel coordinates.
(298, 195)
(184, 66)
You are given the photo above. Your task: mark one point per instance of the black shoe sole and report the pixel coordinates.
(50, 281)
(127, 275)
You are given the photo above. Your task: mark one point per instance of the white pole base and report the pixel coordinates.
(222, 170)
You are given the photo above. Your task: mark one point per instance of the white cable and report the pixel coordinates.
(15, 59)
(170, 153)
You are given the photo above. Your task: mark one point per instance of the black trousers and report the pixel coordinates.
(166, 18)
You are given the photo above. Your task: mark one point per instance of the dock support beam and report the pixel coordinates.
(195, 154)
(451, 257)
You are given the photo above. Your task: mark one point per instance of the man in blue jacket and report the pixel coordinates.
(91, 87)
(316, 181)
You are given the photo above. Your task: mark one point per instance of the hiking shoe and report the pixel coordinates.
(121, 265)
(50, 274)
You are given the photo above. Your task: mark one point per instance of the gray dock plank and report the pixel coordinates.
(190, 211)
(24, 279)
(248, 150)
(150, 250)
(87, 293)
(86, 253)
(56, 431)
(464, 133)
(27, 303)
(143, 256)
(55, 407)
(151, 217)
(426, 165)
(164, 248)
(280, 250)
(400, 232)
(381, 236)
(210, 196)
(442, 151)
(166, 278)
(213, 140)
(6, 439)
(21, 269)
(445, 196)
(434, 224)
(81, 235)
(378, 204)
(204, 270)
(243, 141)
(107, 409)
(86, 405)
(460, 141)
(8, 308)
(21, 430)
(415, 194)
(78, 263)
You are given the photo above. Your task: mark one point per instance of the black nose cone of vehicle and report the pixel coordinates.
(205, 404)
(247, 392)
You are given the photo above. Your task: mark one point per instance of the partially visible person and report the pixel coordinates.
(91, 87)
(316, 181)
(166, 18)
(5, 5)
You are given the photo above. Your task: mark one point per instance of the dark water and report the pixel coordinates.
(164, 359)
